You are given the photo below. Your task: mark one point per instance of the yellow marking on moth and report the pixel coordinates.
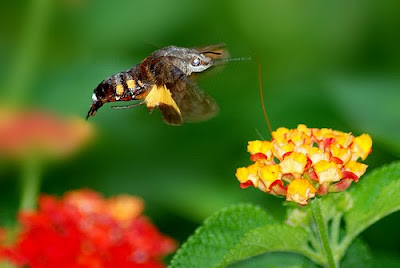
(140, 83)
(131, 83)
(160, 95)
(119, 89)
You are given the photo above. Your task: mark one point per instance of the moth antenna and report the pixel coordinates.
(262, 97)
(211, 52)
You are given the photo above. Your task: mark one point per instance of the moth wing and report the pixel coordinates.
(194, 104)
(170, 115)
(161, 97)
(179, 98)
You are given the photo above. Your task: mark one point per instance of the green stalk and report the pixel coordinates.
(30, 182)
(335, 231)
(23, 66)
(322, 232)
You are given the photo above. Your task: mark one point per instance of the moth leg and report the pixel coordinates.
(129, 106)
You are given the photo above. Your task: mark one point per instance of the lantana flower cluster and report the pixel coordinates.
(303, 162)
(84, 230)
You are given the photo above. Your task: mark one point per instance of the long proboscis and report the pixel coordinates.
(234, 59)
(262, 97)
(220, 61)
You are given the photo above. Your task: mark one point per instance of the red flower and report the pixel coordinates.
(84, 230)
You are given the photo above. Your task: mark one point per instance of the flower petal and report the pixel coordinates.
(270, 174)
(362, 146)
(300, 191)
(294, 164)
(327, 172)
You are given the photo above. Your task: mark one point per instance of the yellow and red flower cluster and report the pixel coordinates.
(84, 230)
(300, 163)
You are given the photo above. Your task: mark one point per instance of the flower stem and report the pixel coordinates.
(335, 231)
(30, 182)
(23, 66)
(322, 232)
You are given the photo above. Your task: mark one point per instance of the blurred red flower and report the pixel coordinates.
(23, 133)
(84, 230)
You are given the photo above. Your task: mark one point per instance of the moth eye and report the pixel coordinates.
(195, 62)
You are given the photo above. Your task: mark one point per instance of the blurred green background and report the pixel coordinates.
(329, 64)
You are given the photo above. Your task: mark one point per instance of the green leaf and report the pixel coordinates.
(274, 260)
(220, 232)
(269, 238)
(375, 196)
(236, 234)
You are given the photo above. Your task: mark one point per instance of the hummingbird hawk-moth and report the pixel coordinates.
(163, 81)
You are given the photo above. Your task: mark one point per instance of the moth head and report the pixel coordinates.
(197, 62)
(188, 60)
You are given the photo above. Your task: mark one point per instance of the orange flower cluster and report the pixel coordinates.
(35, 132)
(302, 162)
(84, 230)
